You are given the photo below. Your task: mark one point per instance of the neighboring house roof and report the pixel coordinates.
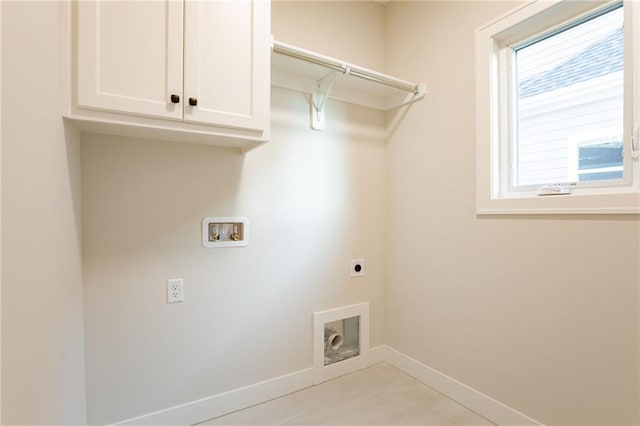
(600, 58)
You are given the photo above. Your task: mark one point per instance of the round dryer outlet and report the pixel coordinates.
(358, 267)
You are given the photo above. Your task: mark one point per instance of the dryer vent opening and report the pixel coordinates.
(341, 340)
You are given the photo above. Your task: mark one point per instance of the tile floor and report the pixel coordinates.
(378, 395)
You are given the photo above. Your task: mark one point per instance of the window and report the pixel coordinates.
(555, 110)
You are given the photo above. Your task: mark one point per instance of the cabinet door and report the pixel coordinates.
(227, 62)
(129, 56)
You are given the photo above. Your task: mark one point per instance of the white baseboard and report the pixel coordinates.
(377, 354)
(476, 401)
(237, 399)
(228, 402)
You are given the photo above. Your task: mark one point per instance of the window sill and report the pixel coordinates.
(619, 203)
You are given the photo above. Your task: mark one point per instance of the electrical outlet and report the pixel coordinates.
(175, 291)
(358, 267)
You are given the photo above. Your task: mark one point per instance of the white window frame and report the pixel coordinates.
(494, 50)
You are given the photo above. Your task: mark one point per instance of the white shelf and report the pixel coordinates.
(303, 70)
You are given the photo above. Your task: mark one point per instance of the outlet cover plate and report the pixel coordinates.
(175, 290)
(358, 267)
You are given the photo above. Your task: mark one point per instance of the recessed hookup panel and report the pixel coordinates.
(340, 341)
(229, 231)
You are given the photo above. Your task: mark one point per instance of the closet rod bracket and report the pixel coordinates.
(319, 99)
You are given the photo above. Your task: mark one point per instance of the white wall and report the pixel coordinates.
(467, 295)
(42, 330)
(350, 30)
(315, 200)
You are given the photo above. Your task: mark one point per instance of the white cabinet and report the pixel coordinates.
(130, 57)
(193, 70)
(225, 63)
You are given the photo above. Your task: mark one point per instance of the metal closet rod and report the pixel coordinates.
(334, 64)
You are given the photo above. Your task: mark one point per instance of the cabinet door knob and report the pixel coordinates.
(175, 99)
(193, 101)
